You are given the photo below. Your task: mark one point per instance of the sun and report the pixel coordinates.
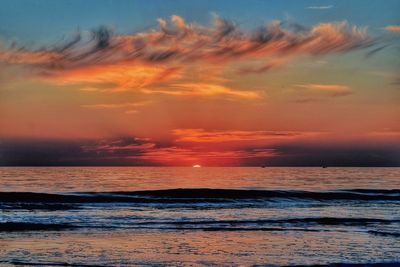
(196, 166)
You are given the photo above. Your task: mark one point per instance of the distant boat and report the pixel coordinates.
(323, 166)
(263, 166)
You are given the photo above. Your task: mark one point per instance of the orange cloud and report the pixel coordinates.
(148, 151)
(176, 155)
(127, 107)
(181, 43)
(159, 61)
(201, 135)
(333, 89)
(115, 106)
(393, 28)
(202, 89)
(112, 78)
(25, 57)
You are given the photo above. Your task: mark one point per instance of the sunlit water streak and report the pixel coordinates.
(107, 216)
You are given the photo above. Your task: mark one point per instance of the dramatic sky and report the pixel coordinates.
(216, 83)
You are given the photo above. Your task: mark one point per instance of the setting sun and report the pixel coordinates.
(196, 166)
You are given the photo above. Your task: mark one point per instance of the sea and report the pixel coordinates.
(183, 216)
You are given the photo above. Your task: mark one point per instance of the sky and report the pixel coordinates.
(215, 83)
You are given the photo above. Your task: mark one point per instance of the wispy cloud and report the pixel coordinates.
(176, 155)
(184, 43)
(202, 89)
(263, 68)
(320, 7)
(193, 145)
(135, 61)
(145, 150)
(201, 135)
(128, 108)
(116, 105)
(112, 78)
(393, 28)
(306, 100)
(334, 90)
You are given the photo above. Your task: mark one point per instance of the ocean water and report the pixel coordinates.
(110, 216)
